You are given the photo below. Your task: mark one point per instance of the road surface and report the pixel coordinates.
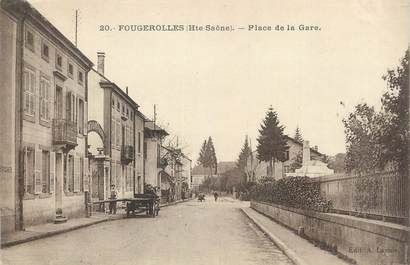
(192, 233)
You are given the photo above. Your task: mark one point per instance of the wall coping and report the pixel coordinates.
(385, 229)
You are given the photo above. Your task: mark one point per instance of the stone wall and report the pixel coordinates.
(368, 242)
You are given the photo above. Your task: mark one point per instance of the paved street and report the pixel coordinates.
(188, 233)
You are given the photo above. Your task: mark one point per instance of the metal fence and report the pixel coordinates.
(381, 195)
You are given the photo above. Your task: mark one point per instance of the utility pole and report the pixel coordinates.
(76, 26)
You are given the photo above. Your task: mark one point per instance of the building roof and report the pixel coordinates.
(222, 168)
(299, 143)
(25, 9)
(150, 126)
(117, 89)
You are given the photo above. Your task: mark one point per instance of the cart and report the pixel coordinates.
(148, 203)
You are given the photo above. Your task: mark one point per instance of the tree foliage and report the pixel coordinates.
(272, 144)
(207, 156)
(243, 158)
(377, 138)
(298, 135)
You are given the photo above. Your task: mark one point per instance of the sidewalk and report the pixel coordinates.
(50, 229)
(298, 249)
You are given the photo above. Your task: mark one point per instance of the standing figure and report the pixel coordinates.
(113, 196)
(216, 196)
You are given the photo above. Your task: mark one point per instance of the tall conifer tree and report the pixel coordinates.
(272, 144)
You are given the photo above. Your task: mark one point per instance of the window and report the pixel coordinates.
(59, 61)
(113, 102)
(118, 105)
(29, 177)
(45, 51)
(286, 169)
(44, 99)
(118, 134)
(80, 77)
(127, 112)
(29, 81)
(30, 40)
(45, 170)
(113, 127)
(80, 116)
(70, 70)
(132, 116)
(70, 107)
(123, 109)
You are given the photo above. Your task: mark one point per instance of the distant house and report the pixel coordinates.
(256, 169)
(199, 173)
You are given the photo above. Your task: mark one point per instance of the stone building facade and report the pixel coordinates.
(50, 100)
(119, 158)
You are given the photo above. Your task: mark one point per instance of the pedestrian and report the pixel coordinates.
(113, 204)
(216, 196)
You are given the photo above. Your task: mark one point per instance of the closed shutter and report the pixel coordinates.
(52, 170)
(76, 174)
(37, 172)
(25, 169)
(86, 175)
(85, 117)
(68, 106)
(113, 173)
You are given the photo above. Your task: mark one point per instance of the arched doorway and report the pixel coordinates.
(99, 162)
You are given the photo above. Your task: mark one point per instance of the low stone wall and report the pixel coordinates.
(368, 242)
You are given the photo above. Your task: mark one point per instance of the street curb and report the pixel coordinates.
(288, 251)
(53, 233)
(48, 234)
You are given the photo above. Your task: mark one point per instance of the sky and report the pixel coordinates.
(220, 84)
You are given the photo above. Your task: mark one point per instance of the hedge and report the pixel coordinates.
(296, 192)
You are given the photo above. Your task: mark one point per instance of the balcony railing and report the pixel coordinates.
(64, 132)
(127, 154)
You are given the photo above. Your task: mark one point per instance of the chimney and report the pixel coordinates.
(100, 63)
(306, 153)
(316, 148)
(126, 90)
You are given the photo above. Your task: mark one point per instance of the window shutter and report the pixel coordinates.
(85, 117)
(37, 172)
(25, 164)
(76, 174)
(52, 170)
(68, 106)
(86, 175)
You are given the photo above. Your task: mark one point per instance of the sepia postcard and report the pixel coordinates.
(204, 132)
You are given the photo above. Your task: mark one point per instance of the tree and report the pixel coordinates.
(243, 157)
(364, 128)
(337, 163)
(375, 139)
(207, 156)
(298, 135)
(396, 102)
(296, 162)
(202, 154)
(211, 156)
(272, 144)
